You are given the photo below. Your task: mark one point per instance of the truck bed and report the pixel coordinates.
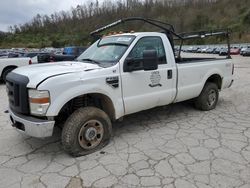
(196, 59)
(193, 73)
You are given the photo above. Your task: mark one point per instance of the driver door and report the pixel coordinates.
(147, 89)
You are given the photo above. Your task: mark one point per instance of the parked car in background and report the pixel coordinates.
(22, 54)
(9, 64)
(14, 54)
(235, 51)
(243, 50)
(73, 50)
(195, 49)
(190, 49)
(199, 50)
(210, 50)
(223, 52)
(217, 50)
(69, 54)
(3, 55)
(203, 50)
(31, 54)
(246, 52)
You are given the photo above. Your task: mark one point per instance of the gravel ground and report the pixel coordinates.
(173, 146)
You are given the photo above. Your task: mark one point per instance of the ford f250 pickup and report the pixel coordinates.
(117, 75)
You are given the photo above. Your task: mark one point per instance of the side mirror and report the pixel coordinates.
(128, 65)
(150, 60)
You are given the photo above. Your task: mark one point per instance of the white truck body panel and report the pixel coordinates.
(192, 77)
(80, 83)
(47, 70)
(138, 82)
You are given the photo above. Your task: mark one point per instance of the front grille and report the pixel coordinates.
(16, 86)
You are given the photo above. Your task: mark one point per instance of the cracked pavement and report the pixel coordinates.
(172, 146)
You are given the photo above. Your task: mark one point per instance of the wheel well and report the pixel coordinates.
(93, 99)
(215, 79)
(6, 68)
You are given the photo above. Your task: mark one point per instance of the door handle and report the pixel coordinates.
(170, 74)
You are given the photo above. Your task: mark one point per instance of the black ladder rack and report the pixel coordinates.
(168, 29)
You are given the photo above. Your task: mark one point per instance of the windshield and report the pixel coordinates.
(107, 50)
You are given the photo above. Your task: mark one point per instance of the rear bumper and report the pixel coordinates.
(32, 126)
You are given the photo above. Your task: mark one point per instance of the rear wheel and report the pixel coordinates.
(86, 131)
(208, 98)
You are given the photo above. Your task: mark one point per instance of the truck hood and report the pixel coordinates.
(38, 73)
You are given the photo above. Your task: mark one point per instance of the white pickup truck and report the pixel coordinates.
(9, 64)
(118, 75)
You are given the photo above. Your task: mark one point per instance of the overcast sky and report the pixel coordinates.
(20, 11)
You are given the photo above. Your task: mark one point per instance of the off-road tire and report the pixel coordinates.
(202, 101)
(74, 124)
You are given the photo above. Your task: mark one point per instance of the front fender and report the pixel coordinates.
(63, 92)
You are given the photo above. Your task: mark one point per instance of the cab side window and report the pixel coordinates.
(149, 43)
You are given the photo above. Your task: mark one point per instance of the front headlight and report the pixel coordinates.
(39, 102)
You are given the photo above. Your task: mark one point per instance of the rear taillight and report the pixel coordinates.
(30, 62)
(233, 69)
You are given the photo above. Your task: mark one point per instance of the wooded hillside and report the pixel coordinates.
(72, 27)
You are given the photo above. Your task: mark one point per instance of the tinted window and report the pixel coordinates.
(149, 43)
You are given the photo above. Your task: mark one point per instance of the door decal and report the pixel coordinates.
(155, 79)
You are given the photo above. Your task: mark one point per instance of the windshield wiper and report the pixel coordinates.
(91, 60)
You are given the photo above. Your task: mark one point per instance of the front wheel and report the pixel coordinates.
(208, 98)
(86, 131)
